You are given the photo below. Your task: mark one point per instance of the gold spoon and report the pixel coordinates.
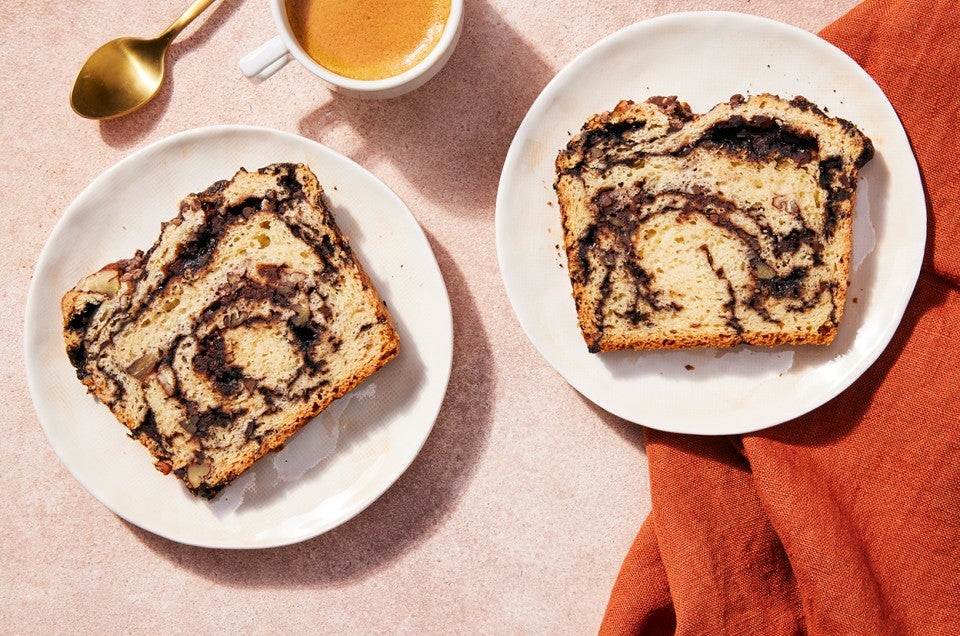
(124, 74)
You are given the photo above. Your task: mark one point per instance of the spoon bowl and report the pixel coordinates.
(126, 73)
(120, 77)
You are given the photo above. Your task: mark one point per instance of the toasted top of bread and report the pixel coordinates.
(248, 316)
(734, 226)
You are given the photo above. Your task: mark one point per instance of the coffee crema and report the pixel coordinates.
(367, 39)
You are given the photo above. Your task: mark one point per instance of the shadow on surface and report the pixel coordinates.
(630, 432)
(405, 514)
(449, 137)
(130, 129)
(839, 417)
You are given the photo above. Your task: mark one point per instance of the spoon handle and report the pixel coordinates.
(186, 18)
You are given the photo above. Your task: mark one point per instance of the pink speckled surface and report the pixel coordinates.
(518, 511)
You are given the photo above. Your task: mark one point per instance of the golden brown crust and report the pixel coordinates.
(247, 318)
(759, 192)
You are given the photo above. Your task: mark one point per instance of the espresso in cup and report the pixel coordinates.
(367, 39)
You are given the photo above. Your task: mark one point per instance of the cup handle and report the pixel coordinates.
(265, 60)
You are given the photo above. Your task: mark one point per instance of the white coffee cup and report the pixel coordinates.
(273, 54)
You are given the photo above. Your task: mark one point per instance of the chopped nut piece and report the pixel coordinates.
(143, 366)
(301, 315)
(233, 319)
(106, 282)
(765, 272)
(166, 380)
(196, 473)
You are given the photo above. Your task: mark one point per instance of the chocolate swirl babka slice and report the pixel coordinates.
(247, 318)
(734, 226)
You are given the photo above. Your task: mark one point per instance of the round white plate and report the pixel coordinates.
(704, 58)
(350, 454)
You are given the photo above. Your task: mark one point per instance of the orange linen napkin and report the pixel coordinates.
(846, 520)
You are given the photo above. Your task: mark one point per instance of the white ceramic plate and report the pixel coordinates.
(704, 58)
(376, 434)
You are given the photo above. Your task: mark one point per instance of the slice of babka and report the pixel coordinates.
(734, 226)
(248, 317)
